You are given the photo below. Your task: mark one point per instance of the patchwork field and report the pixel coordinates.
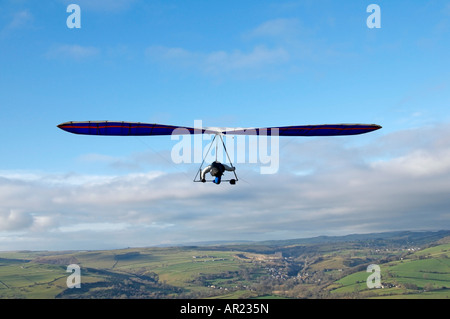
(412, 265)
(423, 273)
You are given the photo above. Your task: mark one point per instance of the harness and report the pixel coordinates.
(217, 169)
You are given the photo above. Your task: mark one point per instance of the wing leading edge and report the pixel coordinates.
(111, 128)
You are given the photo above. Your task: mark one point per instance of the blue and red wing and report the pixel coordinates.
(125, 128)
(309, 130)
(145, 129)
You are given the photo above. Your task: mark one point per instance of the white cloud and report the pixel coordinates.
(259, 57)
(14, 220)
(275, 48)
(276, 28)
(395, 182)
(417, 163)
(219, 62)
(97, 227)
(21, 19)
(72, 52)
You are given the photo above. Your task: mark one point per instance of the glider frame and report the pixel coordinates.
(233, 180)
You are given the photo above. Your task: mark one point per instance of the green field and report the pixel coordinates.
(322, 269)
(423, 274)
(167, 271)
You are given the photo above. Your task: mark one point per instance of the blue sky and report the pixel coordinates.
(235, 64)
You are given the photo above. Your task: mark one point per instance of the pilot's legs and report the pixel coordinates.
(215, 172)
(203, 173)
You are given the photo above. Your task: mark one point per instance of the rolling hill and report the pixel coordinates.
(413, 265)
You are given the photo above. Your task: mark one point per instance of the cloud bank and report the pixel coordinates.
(325, 186)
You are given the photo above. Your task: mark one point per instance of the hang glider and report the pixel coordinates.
(114, 128)
(111, 128)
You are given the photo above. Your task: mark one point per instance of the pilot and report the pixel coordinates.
(216, 169)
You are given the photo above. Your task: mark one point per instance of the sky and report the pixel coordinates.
(229, 64)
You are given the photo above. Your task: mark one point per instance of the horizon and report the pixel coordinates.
(237, 241)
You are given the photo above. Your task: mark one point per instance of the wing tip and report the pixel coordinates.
(376, 127)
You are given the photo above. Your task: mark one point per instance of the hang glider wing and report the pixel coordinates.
(127, 128)
(309, 130)
(145, 129)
